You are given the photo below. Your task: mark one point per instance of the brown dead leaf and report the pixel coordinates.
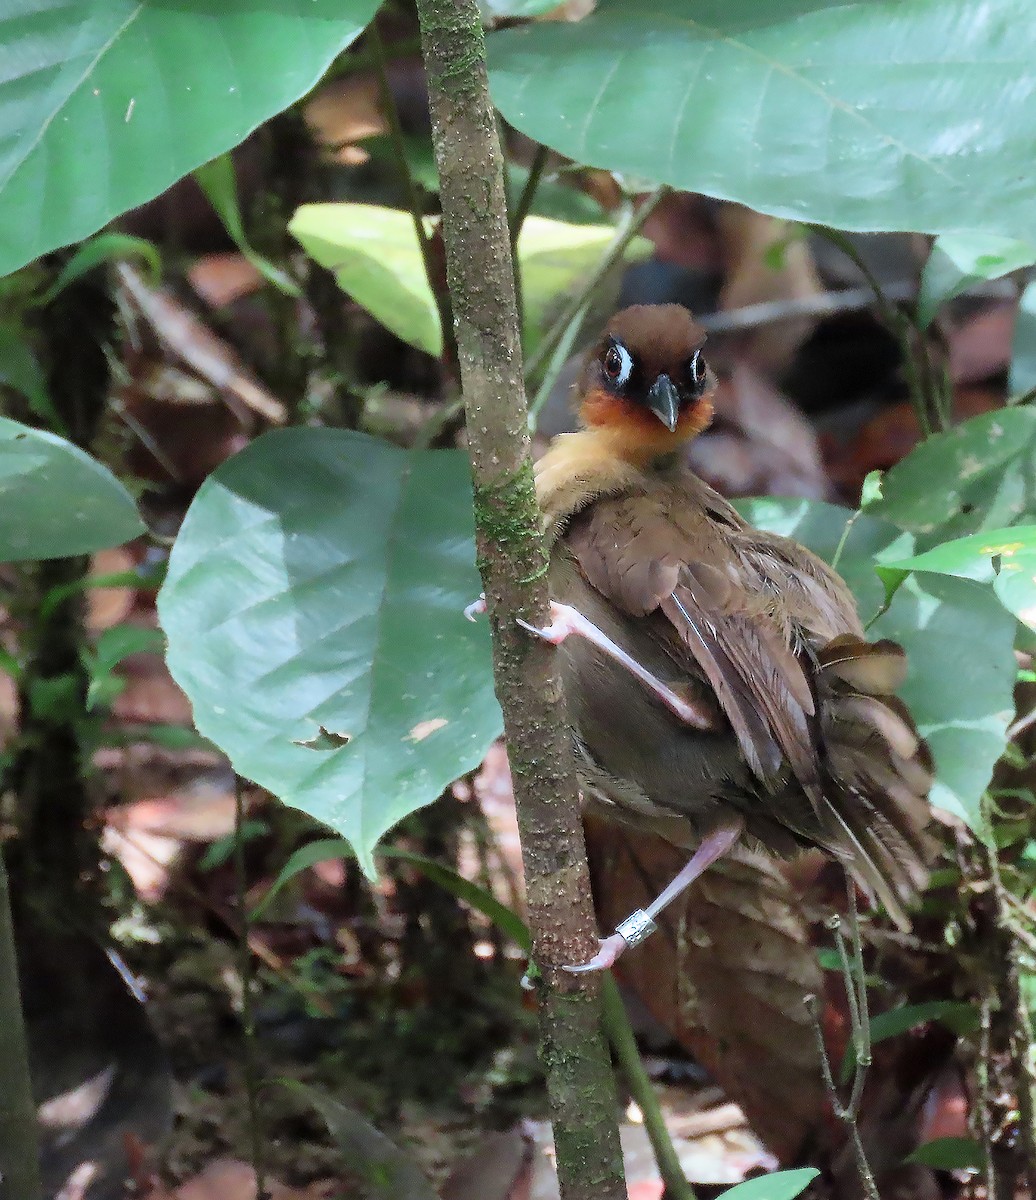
(345, 112)
(220, 279)
(231, 1180)
(726, 975)
(748, 238)
(189, 341)
(501, 1169)
(108, 606)
(760, 445)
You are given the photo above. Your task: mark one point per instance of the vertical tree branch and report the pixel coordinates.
(513, 565)
(19, 1164)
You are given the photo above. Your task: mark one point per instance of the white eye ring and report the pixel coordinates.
(625, 369)
(697, 369)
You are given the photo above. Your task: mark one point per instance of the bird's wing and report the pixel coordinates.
(646, 558)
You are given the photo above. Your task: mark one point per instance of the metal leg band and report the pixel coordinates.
(636, 928)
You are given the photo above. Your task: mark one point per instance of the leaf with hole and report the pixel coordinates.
(1004, 557)
(979, 475)
(55, 500)
(318, 584)
(103, 106)
(873, 116)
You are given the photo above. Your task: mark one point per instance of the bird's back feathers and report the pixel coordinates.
(810, 743)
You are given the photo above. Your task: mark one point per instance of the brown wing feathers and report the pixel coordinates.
(797, 698)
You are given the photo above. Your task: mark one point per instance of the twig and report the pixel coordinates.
(619, 1033)
(855, 980)
(985, 1107)
(388, 103)
(627, 229)
(19, 1157)
(512, 561)
(251, 1070)
(557, 362)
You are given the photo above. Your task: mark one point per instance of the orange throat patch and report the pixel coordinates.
(636, 433)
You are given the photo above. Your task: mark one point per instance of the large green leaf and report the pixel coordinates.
(961, 699)
(1004, 557)
(876, 115)
(979, 475)
(313, 609)
(55, 500)
(105, 103)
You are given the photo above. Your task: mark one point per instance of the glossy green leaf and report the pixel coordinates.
(376, 258)
(978, 475)
(1004, 557)
(57, 501)
(1023, 346)
(949, 1154)
(104, 105)
(954, 1014)
(313, 609)
(217, 180)
(962, 701)
(880, 115)
(781, 1185)
(960, 260)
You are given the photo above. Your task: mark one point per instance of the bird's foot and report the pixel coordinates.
(566, 620)
(476, 608)
(630, 932)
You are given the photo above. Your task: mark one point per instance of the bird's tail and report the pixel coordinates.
(880, 771)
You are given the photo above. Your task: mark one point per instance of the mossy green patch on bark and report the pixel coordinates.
(506, 512)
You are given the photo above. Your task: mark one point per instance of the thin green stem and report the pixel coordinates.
(912, 345)
(251, 1067)
(413, 198)
(528, 194)
(631, 224)
(557, 363)
(620, 1035)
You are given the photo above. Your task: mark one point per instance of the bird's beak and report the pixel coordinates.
(664, 401)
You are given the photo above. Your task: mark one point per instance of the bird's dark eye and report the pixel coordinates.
(617, 364)
(697, 372)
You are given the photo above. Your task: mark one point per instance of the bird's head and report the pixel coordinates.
(647, 379)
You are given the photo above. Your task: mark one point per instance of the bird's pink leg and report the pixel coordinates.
(640, 925)
(566, 620)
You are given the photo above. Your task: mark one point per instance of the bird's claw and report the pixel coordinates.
(610, 949)
(564, 620)
(476, 608)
